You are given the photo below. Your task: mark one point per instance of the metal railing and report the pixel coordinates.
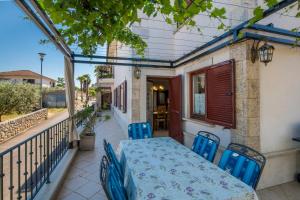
(26, 167)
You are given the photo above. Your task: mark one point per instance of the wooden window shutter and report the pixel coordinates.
(119, 97)
(115, 97)
(221, 94)
(125, 96)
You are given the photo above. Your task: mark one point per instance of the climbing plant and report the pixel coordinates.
(90, 23)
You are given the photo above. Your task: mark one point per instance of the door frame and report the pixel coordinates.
(167, 78)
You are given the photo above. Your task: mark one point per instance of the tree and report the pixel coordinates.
(28, 98)
(92, 92)
(103, 71)
(8, 98)
(86, 82)
(93, 22)
(60, 82)
(18, 97)
(81, 79)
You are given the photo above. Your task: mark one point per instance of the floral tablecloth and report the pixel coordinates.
(161, 168)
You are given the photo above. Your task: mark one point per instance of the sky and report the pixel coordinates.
(19, 45)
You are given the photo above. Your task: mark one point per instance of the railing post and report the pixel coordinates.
(48, 157)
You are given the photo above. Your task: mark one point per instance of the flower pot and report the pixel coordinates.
(87, 142)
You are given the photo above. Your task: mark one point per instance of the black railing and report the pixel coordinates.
(26, 167)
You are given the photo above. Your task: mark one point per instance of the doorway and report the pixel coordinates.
(164, 106)
(158, 105)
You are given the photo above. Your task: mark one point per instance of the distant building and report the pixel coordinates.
(26, 76)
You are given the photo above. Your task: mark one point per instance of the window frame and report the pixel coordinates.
(193, 73)
(204, 118)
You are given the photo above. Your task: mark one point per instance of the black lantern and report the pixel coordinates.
(265, 53)
(137, 72)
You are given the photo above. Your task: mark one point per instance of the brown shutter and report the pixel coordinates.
(221, 94)
(119, 97)
(115, 97)
(125, 96)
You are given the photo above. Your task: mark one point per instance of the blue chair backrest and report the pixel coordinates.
(241, 167)
(206, 145)
(113, 159)
(139, 130)
(115, 187)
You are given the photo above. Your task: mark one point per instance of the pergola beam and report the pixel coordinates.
(122, 64)
(123, 58)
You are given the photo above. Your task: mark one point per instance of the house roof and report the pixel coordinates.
(23, 73)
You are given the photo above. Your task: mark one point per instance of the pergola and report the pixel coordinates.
(241, 32)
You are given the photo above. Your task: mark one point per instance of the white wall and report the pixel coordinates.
(122, 73)
(280, 100)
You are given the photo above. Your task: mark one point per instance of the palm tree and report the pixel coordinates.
(81, 80)
(86, 82)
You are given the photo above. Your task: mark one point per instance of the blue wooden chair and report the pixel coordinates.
(103, 173)
(206, 145)
(111, 182)
(243, 162)
(113, 159)
(139, 130)
(105, 145)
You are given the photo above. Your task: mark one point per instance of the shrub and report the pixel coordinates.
(18, 97)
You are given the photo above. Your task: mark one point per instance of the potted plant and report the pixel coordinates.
(87, 137)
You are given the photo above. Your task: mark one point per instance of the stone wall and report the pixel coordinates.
(11, 128)
(135, 100)
(247, 97)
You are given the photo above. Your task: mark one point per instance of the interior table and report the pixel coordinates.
(162, 168)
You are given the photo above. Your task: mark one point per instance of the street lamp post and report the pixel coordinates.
(42, 55)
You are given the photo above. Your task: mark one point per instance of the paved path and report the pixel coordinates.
(34, 130)
(82, 182)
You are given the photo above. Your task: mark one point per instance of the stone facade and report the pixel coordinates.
(247, 97)
(136, 89)
(11, 128)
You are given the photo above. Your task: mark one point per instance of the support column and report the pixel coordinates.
(247, 97)
(135, 100)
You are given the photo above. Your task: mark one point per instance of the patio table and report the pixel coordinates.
(162, 168)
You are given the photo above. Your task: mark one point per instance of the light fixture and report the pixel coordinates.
(137, 72)
(161, 87)
(265, 52)
(154, 88)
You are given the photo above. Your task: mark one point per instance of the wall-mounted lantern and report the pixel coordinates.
(137, 72)
(265, 52)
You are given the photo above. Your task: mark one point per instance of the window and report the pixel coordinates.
(120, 97)
(198, 92)
(212, 94)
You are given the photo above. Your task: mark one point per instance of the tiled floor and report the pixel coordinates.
(82, 182)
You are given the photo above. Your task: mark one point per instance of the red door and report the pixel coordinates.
(175, 109)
